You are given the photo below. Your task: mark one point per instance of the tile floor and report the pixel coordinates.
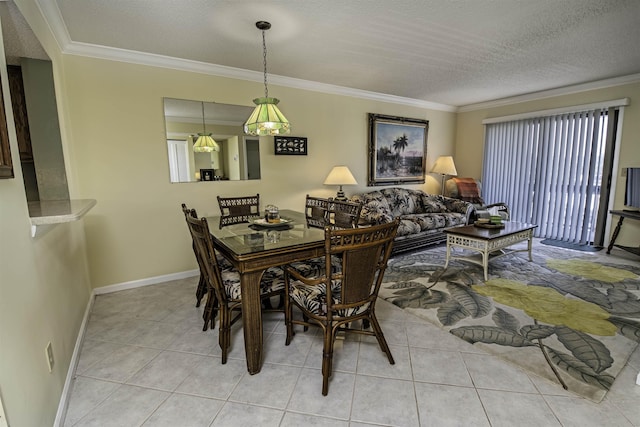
(146, 362)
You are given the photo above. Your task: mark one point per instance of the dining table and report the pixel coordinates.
(254, 246)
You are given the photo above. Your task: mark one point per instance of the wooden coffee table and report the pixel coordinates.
(488, 241)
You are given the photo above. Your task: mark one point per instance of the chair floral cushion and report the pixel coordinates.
(314, 298)
(314, 267)
(223, 263)
(272, 281)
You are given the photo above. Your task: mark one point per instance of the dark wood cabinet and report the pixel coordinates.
(20, 117)
(6, 166)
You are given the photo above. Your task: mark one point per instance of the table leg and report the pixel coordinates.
(252, 319)
(530, 246)
(485, 264)
(448, 255)
(615, 235)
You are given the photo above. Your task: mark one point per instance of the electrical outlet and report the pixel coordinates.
(49, 353)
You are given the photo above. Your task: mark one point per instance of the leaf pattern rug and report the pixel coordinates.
(565, 316)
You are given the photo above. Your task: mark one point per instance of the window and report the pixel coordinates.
(553, 171)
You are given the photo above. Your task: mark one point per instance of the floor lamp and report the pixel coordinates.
(444, 166)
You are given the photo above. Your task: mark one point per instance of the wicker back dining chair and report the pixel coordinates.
(202, 288)
(225, 283)
(337, 299)
(343, 213)
(235, 210)
(315, 210)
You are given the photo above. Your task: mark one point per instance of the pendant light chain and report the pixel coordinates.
(264, 62)
(204, 127)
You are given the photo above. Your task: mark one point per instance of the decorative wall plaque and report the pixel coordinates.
(290, 145)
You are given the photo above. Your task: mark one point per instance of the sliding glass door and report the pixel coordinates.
(553, 171)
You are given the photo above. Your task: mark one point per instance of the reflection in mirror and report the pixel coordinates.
(239, 154)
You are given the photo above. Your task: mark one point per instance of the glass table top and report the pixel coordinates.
(247, 238)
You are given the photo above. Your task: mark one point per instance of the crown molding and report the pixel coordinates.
(153, 60)
(567, 90)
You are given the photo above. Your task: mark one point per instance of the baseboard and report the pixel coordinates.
(145, 282)
(66, 390)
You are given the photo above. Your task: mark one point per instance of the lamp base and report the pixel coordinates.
(340, 196)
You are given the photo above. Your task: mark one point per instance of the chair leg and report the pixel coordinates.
(306, 319)
(210, 311)
(380, 337)
(327, 357)
(288, 316)
(202, 289)
(224, 332)
(266, 304)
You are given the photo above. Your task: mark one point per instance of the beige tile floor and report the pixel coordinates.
(146, 362)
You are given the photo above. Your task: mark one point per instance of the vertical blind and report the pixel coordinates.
(549, 170)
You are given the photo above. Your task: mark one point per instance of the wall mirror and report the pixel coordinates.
(238, 157)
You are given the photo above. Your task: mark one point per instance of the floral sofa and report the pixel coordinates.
(423, 216)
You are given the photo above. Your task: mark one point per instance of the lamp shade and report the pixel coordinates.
(340, 175)
(445, 166)
(267, 119)
(205, 144)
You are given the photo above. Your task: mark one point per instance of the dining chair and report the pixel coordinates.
(315, 210)
(343, 213)
(225, 283)
(321, 212)
(224, 264)
(201, 290)
(235, 210)
(335, 300)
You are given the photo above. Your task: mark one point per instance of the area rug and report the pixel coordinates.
(574, 246)
(564, 316)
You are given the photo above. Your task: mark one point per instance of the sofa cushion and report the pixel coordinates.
(415, 223)
(433, 204)
(375, 208)
(403, 201)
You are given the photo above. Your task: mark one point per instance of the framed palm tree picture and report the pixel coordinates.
(397, 150)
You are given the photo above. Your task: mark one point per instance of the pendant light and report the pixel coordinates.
(266, 118)
(205, 143)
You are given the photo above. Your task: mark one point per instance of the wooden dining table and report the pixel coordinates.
(253, 248)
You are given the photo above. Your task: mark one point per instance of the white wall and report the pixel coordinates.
(44, 289)
(137, 229)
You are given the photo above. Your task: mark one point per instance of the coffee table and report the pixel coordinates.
(488, 241)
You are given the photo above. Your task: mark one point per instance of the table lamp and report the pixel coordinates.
(444, 166)
(340, 175)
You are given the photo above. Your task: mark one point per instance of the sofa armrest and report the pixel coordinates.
(459, 206)
(456, 205)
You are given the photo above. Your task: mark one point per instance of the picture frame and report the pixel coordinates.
(397, 150)
(207, 174)
(290, 145)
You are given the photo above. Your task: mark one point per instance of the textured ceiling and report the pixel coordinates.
(455, 52)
